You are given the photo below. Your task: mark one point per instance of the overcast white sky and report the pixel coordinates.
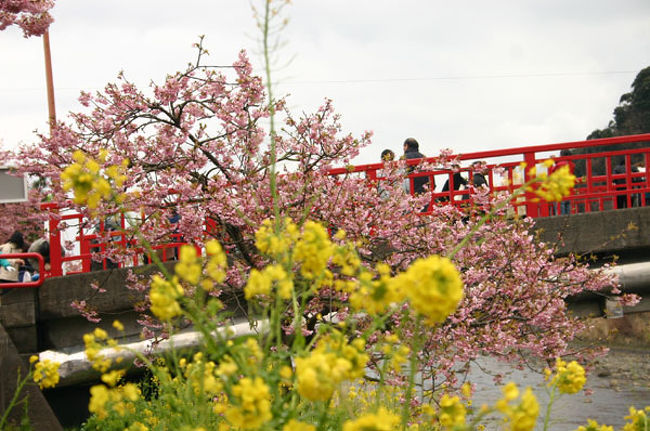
(466, 75)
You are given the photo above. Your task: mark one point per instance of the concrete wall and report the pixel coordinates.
(13, 366)
(624, 231)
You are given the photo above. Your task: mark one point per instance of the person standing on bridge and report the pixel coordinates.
(15, 244)
(412, 151)
(420, 184)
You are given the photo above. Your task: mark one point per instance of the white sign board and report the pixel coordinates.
(12, 189)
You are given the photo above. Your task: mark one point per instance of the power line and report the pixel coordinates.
(462, 77)
(411, 79)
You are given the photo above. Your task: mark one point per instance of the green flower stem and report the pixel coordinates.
(269, 89)
(14, 400)
(551, 400)
(415, 350)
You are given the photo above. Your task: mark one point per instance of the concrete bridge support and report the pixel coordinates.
(41, 416)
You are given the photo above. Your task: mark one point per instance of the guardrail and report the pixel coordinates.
(594, 191)
(17, 284)
(608, 181)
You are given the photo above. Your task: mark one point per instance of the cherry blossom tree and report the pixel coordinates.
(25, 217)
(32, 16)
(199, 165)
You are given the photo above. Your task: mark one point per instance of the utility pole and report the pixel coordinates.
(49, 80)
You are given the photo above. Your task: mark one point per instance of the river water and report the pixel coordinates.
(625, 382)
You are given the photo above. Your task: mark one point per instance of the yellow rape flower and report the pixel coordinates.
(568, 378)
(433, 286)
(227, 367)
(99, 396)
(111, 378)
(118, 325)
(188, 267)
(452, 412)
(261, 282)
(217, 262)
(251, 404)
(383, 420)
(94, 342)
(637, 420)
(313, 250)
(592, 425)
(202, 376)
(522, 416)
(89, 185)
(46, 373)
(557, 185)
(163, 296)
(374, 296)
(137, 426)
(332, 361)
(276, 244)
(294, 425)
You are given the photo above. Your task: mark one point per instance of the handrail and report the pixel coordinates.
(17, 284)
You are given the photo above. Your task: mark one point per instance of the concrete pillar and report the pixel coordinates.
(12, 365)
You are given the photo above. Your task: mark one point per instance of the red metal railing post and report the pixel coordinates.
(56, 259)
(84, 250)
(532, 207)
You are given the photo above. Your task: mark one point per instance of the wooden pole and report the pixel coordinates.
(49, 80)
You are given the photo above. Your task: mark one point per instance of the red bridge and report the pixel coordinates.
(606, 180)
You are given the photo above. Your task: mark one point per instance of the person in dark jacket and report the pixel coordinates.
(412, 151)
(478, 174)
(621, 183)
(459, 182)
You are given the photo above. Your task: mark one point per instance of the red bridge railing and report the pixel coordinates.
(607, 180)
(599, 186)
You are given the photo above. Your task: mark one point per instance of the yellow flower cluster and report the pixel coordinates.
(252, 404)
(46, 372)
(592, 425)
(452, 412)
(94, 342)
(89, 184)
(119, 399)
(202, 375)
(346, 256)
(374, 295)
(261, 282)
(396, 353)
(163, 296)
(553, 187)
(294, 425)
(313, 250)
(433, 286)
(190, 265)
(137, 426)
(276, 245)
(364, 395)
(383, 420)
(568, 378)
(638, 420)
(330, 363)
(217, 263)
(522, 416)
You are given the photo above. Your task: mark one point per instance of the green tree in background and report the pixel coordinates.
(631, 117)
